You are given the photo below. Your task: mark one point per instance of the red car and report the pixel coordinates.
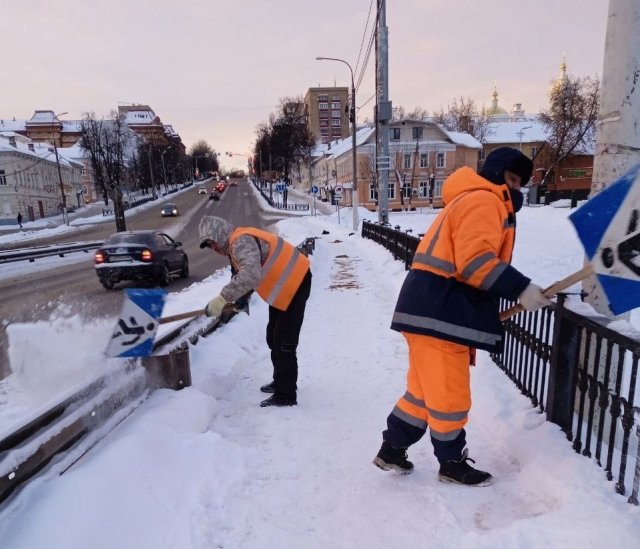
(220, 187)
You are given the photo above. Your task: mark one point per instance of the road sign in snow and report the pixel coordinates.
(136, 327)
(315, 189)
(609, 227)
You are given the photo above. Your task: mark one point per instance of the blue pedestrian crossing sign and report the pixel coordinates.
(608, 226)
(136, 327)
(280, 187)
(314, 189)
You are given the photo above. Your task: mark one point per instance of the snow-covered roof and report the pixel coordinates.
(43, 117)
(74, 153)
(142, 116)
(42, 151)
(529, 131)
(12, 125)
(341, 146)
(463, 139)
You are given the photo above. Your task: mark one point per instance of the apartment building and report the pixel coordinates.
(327, 113)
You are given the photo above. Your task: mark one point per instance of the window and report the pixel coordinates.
(335, 105)
(324, 114)
(407, 161)
(336, 132)
(437, 188)
(416, 133)
(323, 106)
(424, 185)
(335, 122)
(373, 192)
(324, 123)
(335, 114)
(392, 191)
(440, 160)
(534, 151)
(395, 134)
(3, 178)
(424, 160)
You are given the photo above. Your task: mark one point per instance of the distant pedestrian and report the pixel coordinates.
(20, 219)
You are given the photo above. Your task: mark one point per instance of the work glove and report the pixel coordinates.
(215, 306)
(532, 298)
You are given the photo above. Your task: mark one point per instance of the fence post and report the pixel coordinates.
(562, 370)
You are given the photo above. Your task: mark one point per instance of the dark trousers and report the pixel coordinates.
(283, 332)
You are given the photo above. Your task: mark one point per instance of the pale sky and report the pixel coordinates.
(214, 69)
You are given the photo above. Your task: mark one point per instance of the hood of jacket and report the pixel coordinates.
(466, 179)
(217, 229)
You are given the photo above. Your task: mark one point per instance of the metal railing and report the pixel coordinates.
(31, 254)
(574, 368)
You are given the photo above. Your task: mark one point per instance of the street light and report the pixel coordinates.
(354, 192)
(164, 172)
(521, 133)
(65, 217)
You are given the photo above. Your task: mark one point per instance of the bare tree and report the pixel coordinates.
(570, 119)
(463, 115)
(207, 157)
(106, 142)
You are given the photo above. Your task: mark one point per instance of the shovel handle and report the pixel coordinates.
(552, 290)
(181, 316)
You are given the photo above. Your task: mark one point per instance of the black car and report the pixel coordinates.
(140, 255)
(169, 210)
(214, 195)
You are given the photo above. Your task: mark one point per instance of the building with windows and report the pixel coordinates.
(422, 155)
(327, 112)
(30, 181)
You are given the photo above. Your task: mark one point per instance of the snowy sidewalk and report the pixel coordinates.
(207, 467)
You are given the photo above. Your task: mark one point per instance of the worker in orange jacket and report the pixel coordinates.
(280, 274)
(448, 307)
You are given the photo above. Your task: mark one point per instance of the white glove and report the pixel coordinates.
(215, 306)
(532, 298)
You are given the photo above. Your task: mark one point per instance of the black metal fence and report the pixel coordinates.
(574, 368)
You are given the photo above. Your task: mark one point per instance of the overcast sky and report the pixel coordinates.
(214, 69)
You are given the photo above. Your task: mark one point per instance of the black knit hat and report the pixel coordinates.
(506, 158)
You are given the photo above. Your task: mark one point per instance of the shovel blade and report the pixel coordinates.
(137, 324)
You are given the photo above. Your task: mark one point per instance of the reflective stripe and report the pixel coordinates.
(274, 256)
(419, 423)
(431, 261)
(277, 287)
(461, 332)
(493, 275)
(413, 400)
(436, 235)
(508, 223)
(448, 416)
(445, 437)
(476, 264)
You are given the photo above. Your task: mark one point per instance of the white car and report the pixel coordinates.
(202, 190)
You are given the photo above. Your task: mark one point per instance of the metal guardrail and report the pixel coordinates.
(582, 374)
(27, 450)
(31, 254)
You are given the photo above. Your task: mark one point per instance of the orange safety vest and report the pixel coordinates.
(283, 270)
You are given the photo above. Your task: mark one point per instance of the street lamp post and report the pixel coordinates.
(521, 133)
(354, 191)
(65, 216)
(164, 171)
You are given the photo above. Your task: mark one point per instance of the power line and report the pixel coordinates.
(364, 33)
(370, 45)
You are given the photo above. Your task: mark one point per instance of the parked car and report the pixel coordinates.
(169, 210)
(202, 189)
(214, 195)
(140, 255)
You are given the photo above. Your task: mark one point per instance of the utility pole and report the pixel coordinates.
(153, 184)
(65, 215)
(618, 123)
(383, 112)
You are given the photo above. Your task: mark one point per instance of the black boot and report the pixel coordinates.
(461, 472)
(279, 399)
(389, 457)
(268, 388)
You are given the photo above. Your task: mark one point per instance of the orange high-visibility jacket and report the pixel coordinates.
(461, 266)
(282, 271)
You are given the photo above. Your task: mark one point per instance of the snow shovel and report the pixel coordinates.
(139, 319)
(608, 226)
